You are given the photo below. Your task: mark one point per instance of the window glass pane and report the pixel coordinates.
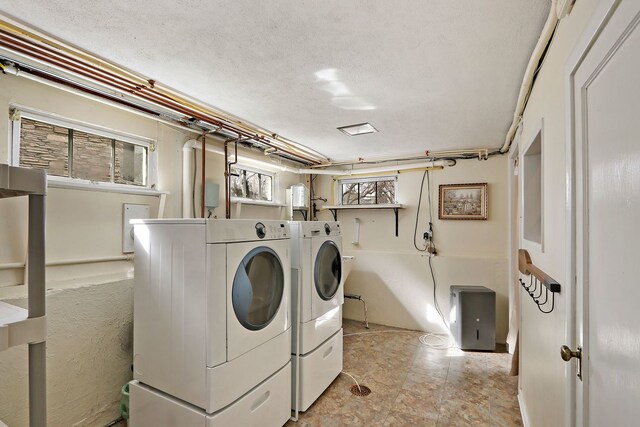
(44, 146)
(253, 185)
(350, 194)
(237, 182)
(368, 193)
(91, 157)
(265, 187)
(130, 164)
(386, 192)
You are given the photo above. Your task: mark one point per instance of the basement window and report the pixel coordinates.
(368, 191)
(81, 154)
(251, 184)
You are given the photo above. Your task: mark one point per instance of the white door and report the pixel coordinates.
(606, 115)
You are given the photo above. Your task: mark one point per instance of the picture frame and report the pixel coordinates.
(463, 201)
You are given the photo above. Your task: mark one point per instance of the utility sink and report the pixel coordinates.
(347, 266)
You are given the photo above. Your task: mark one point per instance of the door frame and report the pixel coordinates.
(514, 194)
(594, 28)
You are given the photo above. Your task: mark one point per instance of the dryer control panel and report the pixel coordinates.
(319, 228)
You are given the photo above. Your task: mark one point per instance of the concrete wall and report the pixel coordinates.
(542, 381)
(394, 277)
(89, 305)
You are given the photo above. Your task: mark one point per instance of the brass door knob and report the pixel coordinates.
(567, 354)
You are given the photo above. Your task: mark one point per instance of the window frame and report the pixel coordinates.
(17, 113)
(341, 182)
(259, 171)
(525, 163)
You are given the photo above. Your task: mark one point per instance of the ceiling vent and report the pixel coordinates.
(359, 129)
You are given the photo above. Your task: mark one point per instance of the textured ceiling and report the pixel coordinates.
(429, 75)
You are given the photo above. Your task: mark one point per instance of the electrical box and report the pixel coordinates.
(131, 211)
(473, 317)
(211, 195)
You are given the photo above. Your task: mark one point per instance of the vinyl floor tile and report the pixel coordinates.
(415, 385)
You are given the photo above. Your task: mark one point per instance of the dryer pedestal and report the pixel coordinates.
(317, 370)
(265, 405)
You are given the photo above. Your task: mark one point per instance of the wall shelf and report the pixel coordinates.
(303, 211)
(334, 209)
(240, 202)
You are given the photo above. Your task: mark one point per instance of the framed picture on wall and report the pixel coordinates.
(463, 201)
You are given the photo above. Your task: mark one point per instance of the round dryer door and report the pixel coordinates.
(257, 288)
(328, 270)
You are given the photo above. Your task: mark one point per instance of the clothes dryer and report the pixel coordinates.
(317, 298)
(211, 319)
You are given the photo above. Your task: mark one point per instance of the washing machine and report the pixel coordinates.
(212, 332)
(317, 298)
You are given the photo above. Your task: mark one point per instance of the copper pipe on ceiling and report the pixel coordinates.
(204, 139)
(60, 46)
(48, 55)
(80, 88)
(227, 174)
(227, 200)
(52, 54)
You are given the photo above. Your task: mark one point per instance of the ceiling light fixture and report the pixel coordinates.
(359, 129)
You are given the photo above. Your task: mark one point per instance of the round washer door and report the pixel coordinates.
(328, 270)
(257, 288)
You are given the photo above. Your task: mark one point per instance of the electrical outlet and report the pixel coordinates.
(428, 235)
(431, 248)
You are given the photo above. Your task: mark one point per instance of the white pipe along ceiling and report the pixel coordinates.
(530, 72)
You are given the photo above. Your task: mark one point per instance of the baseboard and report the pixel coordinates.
(523, 410)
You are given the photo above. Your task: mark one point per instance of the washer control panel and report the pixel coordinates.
(245, 230)
(272, 230)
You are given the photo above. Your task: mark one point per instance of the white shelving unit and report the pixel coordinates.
(16, 328)
(20, 326)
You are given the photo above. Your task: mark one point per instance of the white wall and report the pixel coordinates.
(394, 277)
(90, 305)
(542, 382)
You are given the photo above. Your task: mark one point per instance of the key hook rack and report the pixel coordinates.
(539, 283)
